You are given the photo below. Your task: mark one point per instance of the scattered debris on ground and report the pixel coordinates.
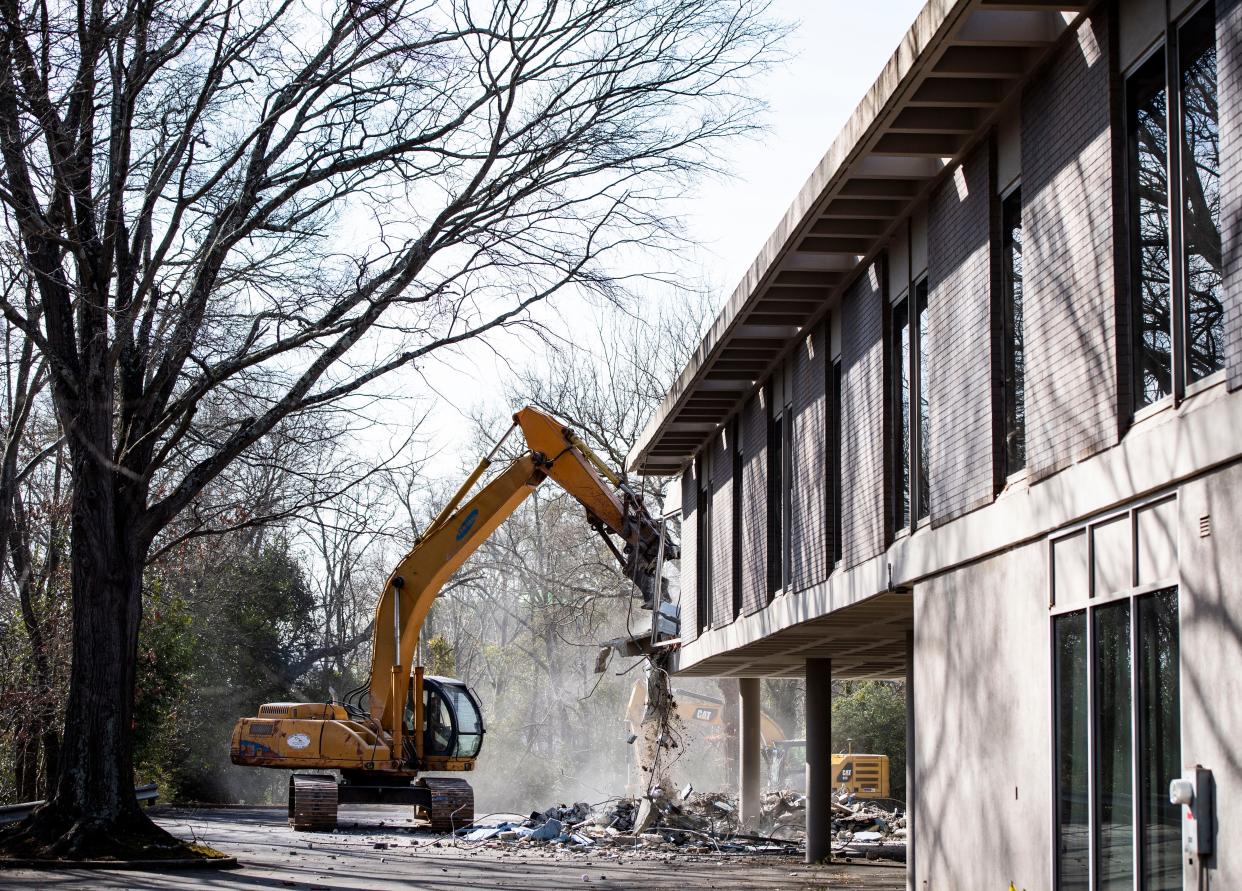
(696, 823)
(860, 828)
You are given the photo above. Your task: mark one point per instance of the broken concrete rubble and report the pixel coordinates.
(702, 823)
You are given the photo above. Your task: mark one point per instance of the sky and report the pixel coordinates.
(836, 50)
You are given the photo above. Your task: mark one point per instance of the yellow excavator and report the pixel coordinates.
(401, 724)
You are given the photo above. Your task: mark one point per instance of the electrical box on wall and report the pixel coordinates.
(1194, 793)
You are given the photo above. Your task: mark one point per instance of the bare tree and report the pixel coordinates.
(608, 390)
(235, 212)
(31, 548)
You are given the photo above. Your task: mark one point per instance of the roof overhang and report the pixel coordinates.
(939, 93)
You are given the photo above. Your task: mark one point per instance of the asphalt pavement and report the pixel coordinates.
(380, 848)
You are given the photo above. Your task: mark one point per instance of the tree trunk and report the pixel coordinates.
(92, 812)
(26, 767)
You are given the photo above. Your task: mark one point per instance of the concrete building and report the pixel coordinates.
(973, 419)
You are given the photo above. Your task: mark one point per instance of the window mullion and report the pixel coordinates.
(1177, 266)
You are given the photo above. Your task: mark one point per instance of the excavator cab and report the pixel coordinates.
(452, 719)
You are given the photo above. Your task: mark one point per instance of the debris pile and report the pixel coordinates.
(783, 814)
(692, 822)
(860, 828)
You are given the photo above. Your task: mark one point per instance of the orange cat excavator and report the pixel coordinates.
(413, 723)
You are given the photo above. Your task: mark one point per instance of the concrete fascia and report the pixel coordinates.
(1161, 452)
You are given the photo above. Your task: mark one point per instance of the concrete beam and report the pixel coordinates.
(932, 119)
(854, 228)
(796, 262)
(982, 61)
(745, 332)
(871, 187)
(935, 145)
(825, 245)
(1036, 5)
(896, 167)
(960, 91)
(996, 27)
(864, 209)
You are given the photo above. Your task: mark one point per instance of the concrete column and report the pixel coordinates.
(749, 756)
(911, 881)
(818, 760)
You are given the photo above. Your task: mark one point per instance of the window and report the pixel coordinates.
(1175, 243)
(1200, 163)
(835, 551)
(912, 494)
(776, 525)
(922, 507)
(735, 435)
(1073, 819)
(1117, 732)
(1160, 738)
(780, 475)
(703, 538)
(901, 410)
(1114, 765)
(1013, 355)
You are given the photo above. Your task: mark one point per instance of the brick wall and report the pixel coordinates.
(809, 544)
(689, 553)
(754, 429)
(722, 529)
(958, 355)
(1229, 109)
(862, 418)
(1069, 286)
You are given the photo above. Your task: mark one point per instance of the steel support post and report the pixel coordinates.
(818, 760)
(911, 787)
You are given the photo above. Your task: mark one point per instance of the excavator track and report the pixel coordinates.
(452, 803)
(312, 802)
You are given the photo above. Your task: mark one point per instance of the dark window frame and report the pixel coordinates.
(787, 476)
(902, 424)
(911, 422)
(920, 428)
(1162, 69)
(703, 541)
(739, 464)
(835, 479)
(780, 481)
(1011, 371)
(776, 483)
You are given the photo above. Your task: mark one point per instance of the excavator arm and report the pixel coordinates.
(554, 452)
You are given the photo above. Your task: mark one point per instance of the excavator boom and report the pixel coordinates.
(556, 453)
